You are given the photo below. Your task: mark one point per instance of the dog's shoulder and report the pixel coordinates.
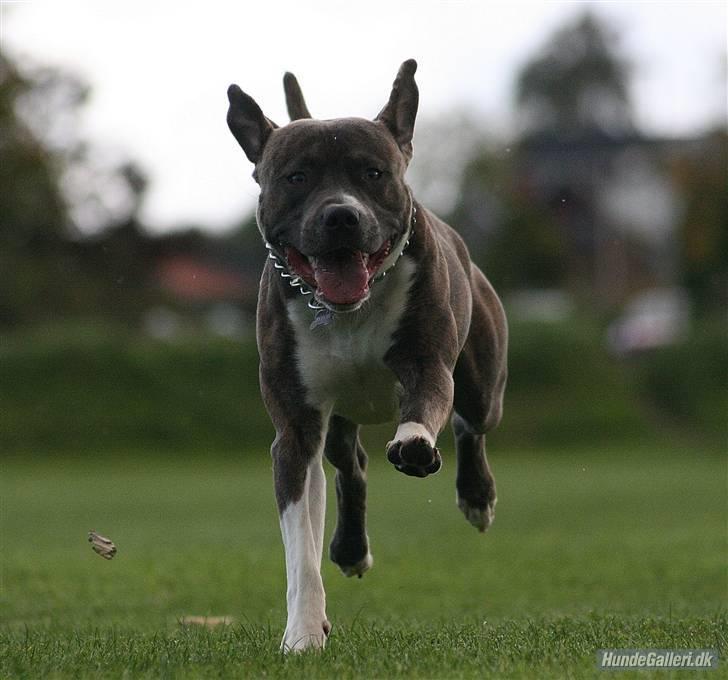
(442, 240)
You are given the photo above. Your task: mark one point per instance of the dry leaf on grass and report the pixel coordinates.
(101, 545)
(206, 621)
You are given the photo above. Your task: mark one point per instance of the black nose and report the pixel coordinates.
(337, 216)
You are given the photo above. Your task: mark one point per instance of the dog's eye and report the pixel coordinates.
(373, 173)
(297, 178)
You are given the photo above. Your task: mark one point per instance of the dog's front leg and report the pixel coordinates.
(300, 487)
(425, 405)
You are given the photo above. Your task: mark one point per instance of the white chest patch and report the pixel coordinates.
(342, 364)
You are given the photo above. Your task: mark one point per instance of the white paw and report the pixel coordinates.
(413, 451)
(360, 567)
(407, 432)
(480, 518)
(299, 636)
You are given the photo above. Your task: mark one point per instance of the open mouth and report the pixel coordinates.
(339, 277)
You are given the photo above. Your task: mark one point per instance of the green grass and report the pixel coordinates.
(620, 547)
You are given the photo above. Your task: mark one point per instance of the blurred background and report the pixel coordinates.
(579, 148)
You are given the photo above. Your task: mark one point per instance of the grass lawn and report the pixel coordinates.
(619, 547)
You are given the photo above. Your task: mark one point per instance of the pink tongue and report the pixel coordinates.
(342, 278)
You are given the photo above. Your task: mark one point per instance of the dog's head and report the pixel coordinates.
(332, 194)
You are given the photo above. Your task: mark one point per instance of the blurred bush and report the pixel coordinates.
(686, 382)
(564, 388)
(98, 389)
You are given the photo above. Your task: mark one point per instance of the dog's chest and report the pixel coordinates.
(341, 364)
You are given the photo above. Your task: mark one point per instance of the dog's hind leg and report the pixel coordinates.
(480, 378)
(350, 545)
(475, 485)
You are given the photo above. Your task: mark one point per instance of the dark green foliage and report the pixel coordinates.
(46, 268)
(33, 213)
(564, 388)
(101, 391)
(97, 388)
(703, 231)
(516, 241)
(687, 381)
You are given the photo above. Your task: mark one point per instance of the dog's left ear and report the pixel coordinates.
(295, 103)
(401, 110)
(247, 123)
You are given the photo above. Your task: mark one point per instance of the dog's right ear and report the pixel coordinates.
(247, 123)
(295, 103)
(401, 110)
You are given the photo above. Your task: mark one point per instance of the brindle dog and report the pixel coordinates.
(369, 309)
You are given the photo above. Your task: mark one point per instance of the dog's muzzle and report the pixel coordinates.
(340, 277)
(338, 280)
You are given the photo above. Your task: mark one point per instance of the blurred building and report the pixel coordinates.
(617, 203)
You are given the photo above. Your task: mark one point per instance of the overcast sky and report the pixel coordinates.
(159, 71)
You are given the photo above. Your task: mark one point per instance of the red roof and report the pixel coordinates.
(193, 280)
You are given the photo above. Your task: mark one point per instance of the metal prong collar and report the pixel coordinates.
(294, 281)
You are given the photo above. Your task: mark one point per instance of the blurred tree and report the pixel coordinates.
(49, 178)
(531, 213)
(703, 231)
(516, 241)
(33, 212)
(577, 83)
